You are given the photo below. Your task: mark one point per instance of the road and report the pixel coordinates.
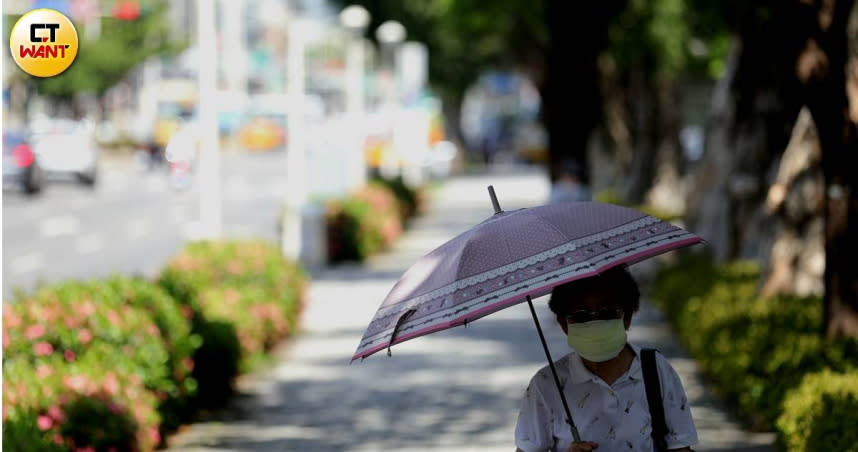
(132, 222)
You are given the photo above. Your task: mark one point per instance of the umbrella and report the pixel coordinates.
(510, 258)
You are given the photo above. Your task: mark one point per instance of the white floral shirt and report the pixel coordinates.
(616, 416)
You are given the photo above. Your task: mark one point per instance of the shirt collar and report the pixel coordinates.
(578, 372)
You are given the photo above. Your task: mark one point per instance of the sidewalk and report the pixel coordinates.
(458, 389)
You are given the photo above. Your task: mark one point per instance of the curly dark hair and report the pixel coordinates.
(616, 279)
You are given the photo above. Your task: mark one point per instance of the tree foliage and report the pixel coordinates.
(467, 36)
(121, 46)
(682, 38)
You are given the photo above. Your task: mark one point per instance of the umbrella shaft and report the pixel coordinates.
(575, 434)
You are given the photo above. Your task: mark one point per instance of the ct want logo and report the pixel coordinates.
(43, 42)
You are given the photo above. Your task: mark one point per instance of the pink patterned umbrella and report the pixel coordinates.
(511, 257)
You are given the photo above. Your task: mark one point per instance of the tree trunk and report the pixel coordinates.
(821, 68)
(709, 198)
(452, 112)
(666, 192)
(802, 59)
(615, 128)
(572, 106)
(643, 118)
(754, 109)
(796, 263)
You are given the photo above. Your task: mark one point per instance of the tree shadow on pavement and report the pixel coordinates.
(457, 387)
(453, 390)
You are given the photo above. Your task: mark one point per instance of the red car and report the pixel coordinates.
(20, 167)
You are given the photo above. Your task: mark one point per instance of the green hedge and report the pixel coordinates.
(117, 364)
(822, 414)
(242, 297)
(612, 197)
(365, 223)
(755, 350)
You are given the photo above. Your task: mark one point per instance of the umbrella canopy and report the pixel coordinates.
(511, 257)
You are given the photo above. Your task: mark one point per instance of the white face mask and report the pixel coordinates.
(597, 340)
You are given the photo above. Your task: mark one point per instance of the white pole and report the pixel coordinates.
(355, 108)
(234, 45)
(209, 175)
(354, 19)
(93, 24)
(295, 119)
(413, 130)
(354, 75)
(390, 34)
(296, 195)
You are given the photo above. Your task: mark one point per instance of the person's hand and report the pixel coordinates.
(583, 446)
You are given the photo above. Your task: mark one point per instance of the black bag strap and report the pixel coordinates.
(653, 397)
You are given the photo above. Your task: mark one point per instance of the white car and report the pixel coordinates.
(66, 147)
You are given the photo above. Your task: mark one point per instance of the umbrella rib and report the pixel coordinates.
(399, 323)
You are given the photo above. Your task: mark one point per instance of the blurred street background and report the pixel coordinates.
(130, 223)
(217, 151)
(115, 180)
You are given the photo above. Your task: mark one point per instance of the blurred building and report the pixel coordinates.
(252, 45)
(500, 114)
(252, 100)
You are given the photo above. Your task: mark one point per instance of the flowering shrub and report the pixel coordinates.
(363, 224)
(115, 364)
(242, 296)
(411, 200)
(117, 428)
(246, 263)
(257, 332)
(216, 362)
(57, 403)
(384, 210)
(175, 329)
(22, 434)
(123, 338)
(74, 319)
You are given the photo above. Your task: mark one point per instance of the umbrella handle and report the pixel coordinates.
(575, 435)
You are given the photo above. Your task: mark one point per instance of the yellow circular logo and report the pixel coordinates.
(43, 42)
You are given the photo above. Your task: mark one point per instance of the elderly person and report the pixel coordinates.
(602, 378)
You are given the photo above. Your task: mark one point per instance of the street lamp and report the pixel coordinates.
(389, 35)
(354, 17)
(390, 32)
